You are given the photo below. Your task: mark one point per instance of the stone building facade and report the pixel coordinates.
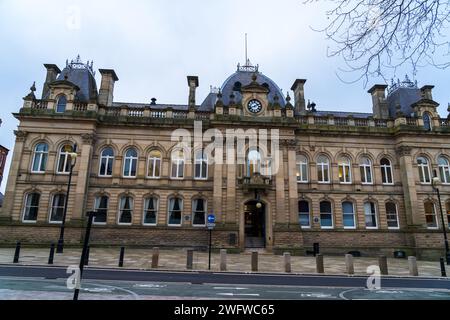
(348, 181)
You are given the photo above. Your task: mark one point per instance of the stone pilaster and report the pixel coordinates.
(10, 191)
(84, 168)
(293, 190)
(217, 189)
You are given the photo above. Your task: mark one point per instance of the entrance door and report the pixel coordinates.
(255, 226)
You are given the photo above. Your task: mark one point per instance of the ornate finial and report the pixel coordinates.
(219, 94)
(288, 97)
(254, 76)
(308, 106)
(33, 87)
(153, 101)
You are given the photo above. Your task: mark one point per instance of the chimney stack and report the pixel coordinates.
(106, 93)
(193, 84)
(299, 96)
(52, 73)
(379, 105)
(427, 92)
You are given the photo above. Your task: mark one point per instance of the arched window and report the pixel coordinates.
(31, 208)
(199, 212)
(348, 212)
(57, 208)
(154, 164)
(130, 164)
(150, 211)
(302, 168)
(326, 215)
(64, 161)
(304, 214)
(178, 161)
(386, 171)
(106, 162)
(427, 121)
(253, 162)
(424, 170)
(61, 104)
(392, 215)
(370, 214)
(365, 167)
(175, 210)
(344, 170)
(444, 169)
(101, 206)
(323, 169)
(40, 158)
(430, 215)
(201, 165)
(126, 210)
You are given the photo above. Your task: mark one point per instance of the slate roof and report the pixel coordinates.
(84, 79)
(405, 97)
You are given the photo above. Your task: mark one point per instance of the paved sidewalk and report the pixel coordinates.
(176, 260)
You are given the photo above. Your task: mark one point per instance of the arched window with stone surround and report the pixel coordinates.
(150, 216)
(344, 170)
(444, 169)
(386, 171)
(326, 215)
(430, 215)
(130, 163)
(40, 157)
(178, 161)
(423, 166)
(302, 168)
(61, 104)
(365, 167)
(304, 214)
(154, 164)
(323, 169)
(427, 121)
(126, 204)
(348, 212)
(175, 209)
(31, 207)
(106, 162)
(392, 215)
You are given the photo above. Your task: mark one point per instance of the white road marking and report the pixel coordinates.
(150, 285)
(238, 294)
(229, 288)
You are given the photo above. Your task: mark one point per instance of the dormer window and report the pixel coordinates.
(427, 121)
(61, 105)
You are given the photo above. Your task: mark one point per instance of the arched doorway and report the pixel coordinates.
(255, 224)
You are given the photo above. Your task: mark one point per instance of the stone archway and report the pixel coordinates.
(254, 224)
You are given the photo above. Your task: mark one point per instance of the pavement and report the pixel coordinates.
(175, 260)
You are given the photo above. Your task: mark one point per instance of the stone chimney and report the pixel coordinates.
(106, 93)
(426, 92)
(52, 73)
(379, 104)
(193, 84)
(299, 96)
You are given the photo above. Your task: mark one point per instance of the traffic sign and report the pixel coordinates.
(211, 218)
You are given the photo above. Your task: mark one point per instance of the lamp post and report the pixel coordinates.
(435, 183)
(73, 158)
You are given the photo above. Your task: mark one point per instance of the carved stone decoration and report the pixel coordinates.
(403, 151)
(89, 138)
(20, 135)
(291, 144)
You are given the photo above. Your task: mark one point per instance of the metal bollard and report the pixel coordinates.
(254, 261)
(17, 253)
(121, 256)
(349, 265)
(155, 257)
(319, 264)
(223, 259)
(86, 261)
(382, 262)
(287, 262)
(190, 259)
(52, 253)
(412, 264)
(443, 271)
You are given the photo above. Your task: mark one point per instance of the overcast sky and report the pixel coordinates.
(154, 45)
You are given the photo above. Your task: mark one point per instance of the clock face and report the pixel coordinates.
(254, 106)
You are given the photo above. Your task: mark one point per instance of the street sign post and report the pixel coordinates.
(211, 223)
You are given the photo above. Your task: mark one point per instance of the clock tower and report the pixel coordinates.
(255, 98)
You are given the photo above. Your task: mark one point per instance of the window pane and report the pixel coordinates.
(150, 211)
(31, 207)
(325, 206)
(370, 214)
(175, 211)
(199, 212)
(57, 210)
(126, 210)
(303, 206)
(391, 215)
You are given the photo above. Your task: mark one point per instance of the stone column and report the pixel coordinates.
(412, 264)
(280, 194)
(155, 257)
(293, 188)
(80, 192)
(223, 260)
(231, 194)
(217, 188)
(409, 186)
(349, 266)
(287, 262)
(10, 191)
(254, 261)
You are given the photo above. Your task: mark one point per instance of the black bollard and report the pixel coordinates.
(17, 253)
(52, 253)
(86, 260)
(443, 271)
(122, 253)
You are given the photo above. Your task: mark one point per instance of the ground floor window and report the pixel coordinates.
(31, 207)
(348, 215)
(101, 207)
(175, 207)
(150, 211)
(304, 215)
(370, 214)
(391, 215)
(126, 210)
(326, 215)
(430, 215)
(57, 209)
(199, 212)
